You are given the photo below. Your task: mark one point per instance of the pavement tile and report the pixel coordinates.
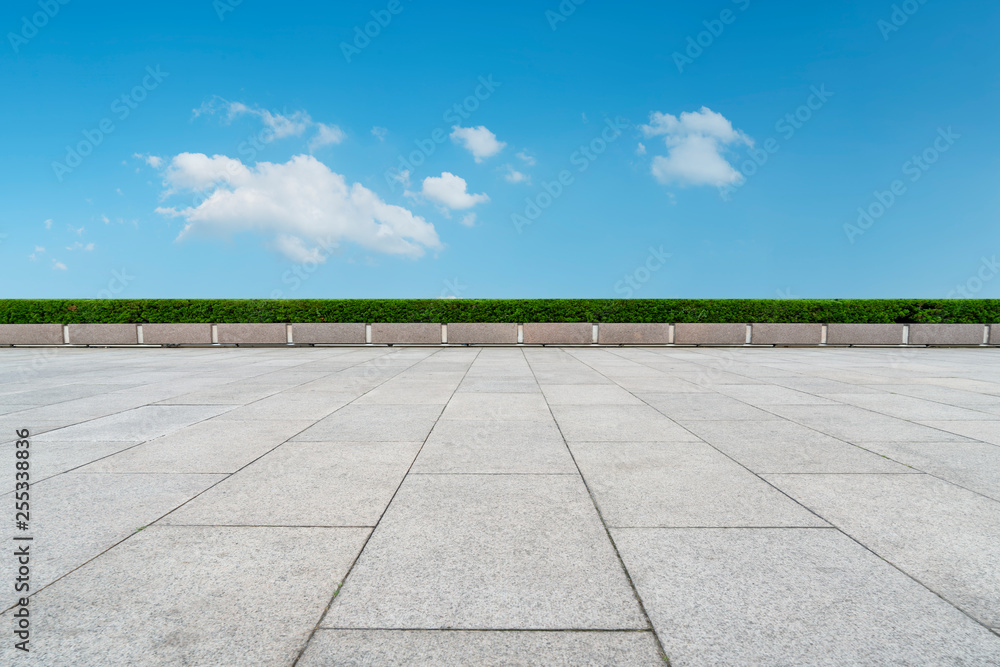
(488, 552)
(192, 596)
(506, 407)
(374, 423)
(973, 465)
(859, 426)
(791, 597)
(136, 425)
(603, 394)
(602, 423)
(689, 407)
(986, 431)
(784, 446)
(214, 446)
(664, 484)
(76, 516)
(306, 484)
(494, 446)
(923, 525)
(457, 647)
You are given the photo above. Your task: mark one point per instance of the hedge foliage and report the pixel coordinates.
(67, 311)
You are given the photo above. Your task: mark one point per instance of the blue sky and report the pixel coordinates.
(258, 149)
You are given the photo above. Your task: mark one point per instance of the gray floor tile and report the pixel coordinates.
(505, 407)
(986, 431)
(193, 596)
(681, 484)
(908, 407)
(375, 423)
(923, 525)
(791, 597)
(457, 647)
(623, 423)
(488, 385)
(690, 407)
(306, 484)
(284, 406)
(769, 394)
(602, 394)
(784, 446)
(213, 446)
(137, 425)
(488, 552)
(76, 516)
(467, 446)
(859, 426)
(973, 465)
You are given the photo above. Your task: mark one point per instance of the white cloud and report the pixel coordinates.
(640, 149)
(528, 159)
(302, 203)
(380, 133)
(279, 126)
(39, 248)
(58, 266)
(294, 248)
(79, 232)
(696, 143)
(80, 246)
(38, 251)
(48, 224)
(477, 140)
(514, 176)
(469, 220)
(154, 161)
(451, 191)
(326, 135)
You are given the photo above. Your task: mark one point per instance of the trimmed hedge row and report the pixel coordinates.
(873, 311)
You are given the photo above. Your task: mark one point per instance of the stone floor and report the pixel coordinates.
(433, 506)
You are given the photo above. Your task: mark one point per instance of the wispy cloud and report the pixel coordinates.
(277, 125)
(515, 176)
(451, 191)
(696, 145)
(477, 140)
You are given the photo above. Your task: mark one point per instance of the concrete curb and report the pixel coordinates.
(532, 333)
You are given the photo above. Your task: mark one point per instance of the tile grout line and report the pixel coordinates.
(343, 581)
(600, 517)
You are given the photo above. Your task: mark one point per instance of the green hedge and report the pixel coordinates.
(66, 311)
